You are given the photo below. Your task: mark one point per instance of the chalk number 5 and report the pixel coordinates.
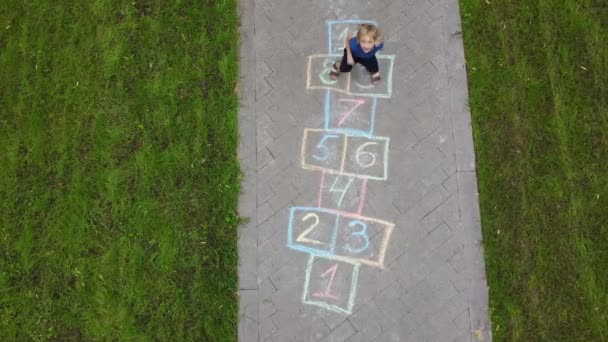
(323, 149)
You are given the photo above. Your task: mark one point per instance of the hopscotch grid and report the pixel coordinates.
(387, 227)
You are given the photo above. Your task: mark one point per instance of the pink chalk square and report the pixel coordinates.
(341, 192)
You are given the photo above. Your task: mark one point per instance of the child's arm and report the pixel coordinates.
(349, 55)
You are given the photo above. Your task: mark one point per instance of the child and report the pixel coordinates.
(361, 49)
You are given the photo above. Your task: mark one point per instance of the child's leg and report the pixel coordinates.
(370, 64)
(344, 67)
(336, 69)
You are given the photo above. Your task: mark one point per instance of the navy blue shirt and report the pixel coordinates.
(358, 52)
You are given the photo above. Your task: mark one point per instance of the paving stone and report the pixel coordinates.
(267, 329)
(266, 309)
(283, 197)
(264, 212)
(264, 193)
(450, 184)
(342, 332)
(266, 289)
(367, 322)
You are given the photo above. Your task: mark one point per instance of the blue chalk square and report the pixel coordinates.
(312, 230)
(338, 30)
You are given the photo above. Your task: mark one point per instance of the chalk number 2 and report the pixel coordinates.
(302, 237)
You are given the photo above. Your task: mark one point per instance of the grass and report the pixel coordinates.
(119, 176)
(538, 80)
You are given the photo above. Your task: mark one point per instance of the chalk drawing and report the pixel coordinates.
(327, 293)
(337, 152)
(320, 197)
(335, 188)
(361, 234)
(302, 237)
(330, 284)
(312, 230)
(362, 196)
(350, 114)
(340, 192)
(323, 148)
(356, 103)
(324, 73)
(319, 65)
(337, 236)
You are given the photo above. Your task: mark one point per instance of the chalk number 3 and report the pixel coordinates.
(361, 233)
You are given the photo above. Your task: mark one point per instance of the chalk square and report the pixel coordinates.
(312, 230)
(323, 149)
(362, 239)
(317, 73)
(353, 115)
(331, 284)
(337, 31)
(367, 157)
(341, 192)
(360, 81)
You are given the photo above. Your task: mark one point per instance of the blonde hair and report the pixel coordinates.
(371, 30)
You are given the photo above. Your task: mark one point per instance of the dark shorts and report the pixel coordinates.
(370, 64)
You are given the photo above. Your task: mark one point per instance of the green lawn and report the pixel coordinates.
(118, 170)
(538, 78)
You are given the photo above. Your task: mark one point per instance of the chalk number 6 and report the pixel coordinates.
(368, 155)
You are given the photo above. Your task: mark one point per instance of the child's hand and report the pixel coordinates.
(350, 60)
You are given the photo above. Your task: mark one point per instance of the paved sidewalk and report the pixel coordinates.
(364, 220)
